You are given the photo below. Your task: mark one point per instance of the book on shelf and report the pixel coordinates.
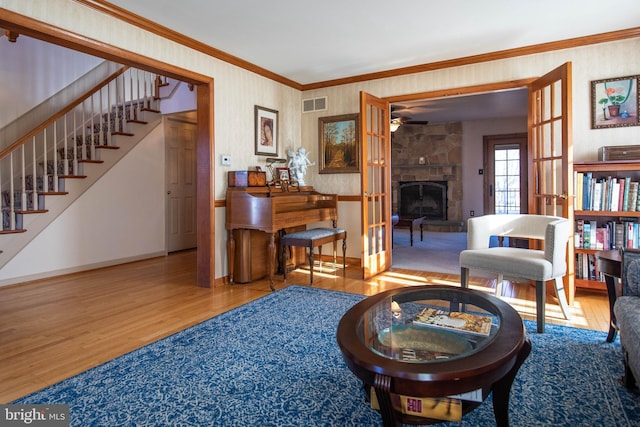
(454, 320)
(633, 196)
(606, 193)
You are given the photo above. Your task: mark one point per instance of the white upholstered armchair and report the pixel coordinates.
(538, 265)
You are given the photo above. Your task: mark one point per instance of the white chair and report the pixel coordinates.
(532, 264)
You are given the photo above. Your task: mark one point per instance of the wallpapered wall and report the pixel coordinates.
(237, 92)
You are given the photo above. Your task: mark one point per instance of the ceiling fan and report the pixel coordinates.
(397, 120)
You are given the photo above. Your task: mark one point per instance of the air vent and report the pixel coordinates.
(314, 104)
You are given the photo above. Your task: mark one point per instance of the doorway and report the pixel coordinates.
(468, 118)
(505, 177)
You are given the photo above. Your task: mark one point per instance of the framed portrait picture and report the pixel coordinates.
(339, 138)
(614, 102)
(283, 174)
(266, 131)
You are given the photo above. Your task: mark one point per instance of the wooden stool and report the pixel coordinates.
(315, 237)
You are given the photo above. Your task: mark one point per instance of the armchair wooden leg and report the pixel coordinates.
(562, 298)
(464, 277)
(540, 303)
(499, 280)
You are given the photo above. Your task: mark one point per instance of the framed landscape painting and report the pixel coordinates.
(614, 102)
(266, 131)
(339, 139)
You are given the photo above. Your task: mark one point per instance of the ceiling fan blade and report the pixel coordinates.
(415, 122)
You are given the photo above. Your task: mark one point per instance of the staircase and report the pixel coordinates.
(46, 170)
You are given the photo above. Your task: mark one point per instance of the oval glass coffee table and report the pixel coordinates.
(432, 353)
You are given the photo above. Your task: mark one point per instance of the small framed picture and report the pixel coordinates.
(614, 102)
(266, 131)
(283, 174)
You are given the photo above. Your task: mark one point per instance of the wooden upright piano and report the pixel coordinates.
(271, 210)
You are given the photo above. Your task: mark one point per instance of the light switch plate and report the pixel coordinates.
(225, 160)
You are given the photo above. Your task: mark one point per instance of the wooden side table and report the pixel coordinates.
(410, 223)
(610, 264)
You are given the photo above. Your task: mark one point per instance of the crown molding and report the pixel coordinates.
(155, 28)
(485, 57)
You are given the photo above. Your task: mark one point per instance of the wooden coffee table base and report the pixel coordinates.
(501, 391)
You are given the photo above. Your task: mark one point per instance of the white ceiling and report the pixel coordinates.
(315, 41)
(311, 42)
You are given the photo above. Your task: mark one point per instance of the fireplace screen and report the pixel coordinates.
(423, 198)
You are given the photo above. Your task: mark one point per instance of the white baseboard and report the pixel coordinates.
(87, 267)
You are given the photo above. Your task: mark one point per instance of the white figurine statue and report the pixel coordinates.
(298, 163)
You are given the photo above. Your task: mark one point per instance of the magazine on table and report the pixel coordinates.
(454, 320)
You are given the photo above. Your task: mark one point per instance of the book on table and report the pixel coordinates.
(454, 320)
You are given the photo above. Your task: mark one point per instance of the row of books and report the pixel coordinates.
(606, 235)
(587, 267)
(605, 194)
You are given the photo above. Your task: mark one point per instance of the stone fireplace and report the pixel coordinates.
(426, 165)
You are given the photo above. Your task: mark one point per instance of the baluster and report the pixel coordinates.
(101, 134)
(124, 103)
(65, 147)
(23, 180)
(138, 98)
(12, 208)
(131, 107)
(84, 148)
(45, 176)
(75, 143)
(55, 156)
(92, 142)
(109, 113)
(34, 173)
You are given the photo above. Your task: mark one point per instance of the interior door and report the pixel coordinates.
(375, 153)
(505, 174)
(551, 153)
(180, 140)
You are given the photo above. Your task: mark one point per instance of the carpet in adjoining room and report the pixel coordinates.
(275, 362)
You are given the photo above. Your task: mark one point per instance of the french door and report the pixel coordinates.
(551, 154)
(375, 153)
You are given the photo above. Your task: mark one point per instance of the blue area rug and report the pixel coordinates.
(276, 362)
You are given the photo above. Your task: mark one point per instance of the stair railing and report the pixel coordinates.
(37, 163)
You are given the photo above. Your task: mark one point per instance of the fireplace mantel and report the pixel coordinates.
(418, 166)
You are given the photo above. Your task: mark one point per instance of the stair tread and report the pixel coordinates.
(150, 109)
(33, 211)
(108, 147)
(53, 193)
(122, 133)
(72, 176)
(19, 230)
(90, 161)
(142, 122)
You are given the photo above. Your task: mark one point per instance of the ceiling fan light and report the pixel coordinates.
(395, 124)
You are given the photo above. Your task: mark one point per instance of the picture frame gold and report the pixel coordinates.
(614, 102)
(266, 131)
(339, 144)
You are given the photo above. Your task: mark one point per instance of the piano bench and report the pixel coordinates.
(312, 238)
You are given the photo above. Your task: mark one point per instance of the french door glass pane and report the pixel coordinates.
(507, 180)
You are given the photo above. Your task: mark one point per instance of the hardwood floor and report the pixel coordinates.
(55, 328)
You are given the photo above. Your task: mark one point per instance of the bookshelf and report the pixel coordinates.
(606, 198)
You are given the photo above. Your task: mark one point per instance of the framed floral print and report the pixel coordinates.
(614, 102)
